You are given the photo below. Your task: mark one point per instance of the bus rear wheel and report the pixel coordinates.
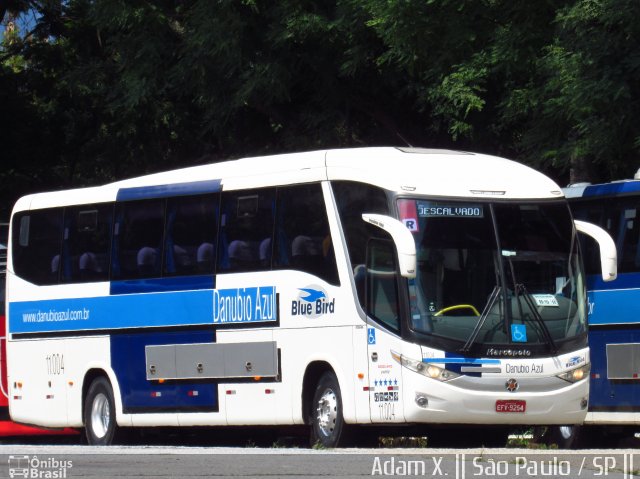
(328, 428)
(100, 413)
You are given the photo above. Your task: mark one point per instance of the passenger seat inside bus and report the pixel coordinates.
(88, 266)
(243, 255)
(204, 257)
(147, 261)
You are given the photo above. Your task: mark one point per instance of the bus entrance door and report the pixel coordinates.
(383, 339)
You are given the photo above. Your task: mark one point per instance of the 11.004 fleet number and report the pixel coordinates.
(55, 364)
(387, 411)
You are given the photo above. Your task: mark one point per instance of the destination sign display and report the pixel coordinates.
(431, 209)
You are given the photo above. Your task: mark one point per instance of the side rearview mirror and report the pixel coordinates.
(608, 253)
(402, 238)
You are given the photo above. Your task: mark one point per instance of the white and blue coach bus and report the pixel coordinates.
(614, 310)
(336, 288)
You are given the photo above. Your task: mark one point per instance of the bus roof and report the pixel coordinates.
(433, 172)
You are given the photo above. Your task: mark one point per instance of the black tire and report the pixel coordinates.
(328, 428)
(100, 413)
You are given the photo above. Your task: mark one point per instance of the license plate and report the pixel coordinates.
(511, 405)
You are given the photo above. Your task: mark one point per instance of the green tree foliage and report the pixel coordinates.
(589, 90)
(93, 91)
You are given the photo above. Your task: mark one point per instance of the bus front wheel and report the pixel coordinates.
(100, 413)
(327, 423)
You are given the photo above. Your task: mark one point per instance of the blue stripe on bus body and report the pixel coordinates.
(623, 281)
(460, 360)
(128, 361)
(614, 307)
(164, 191)
(612, 189)
(112, 312)
(231, 306)
(605, 393)
(453, 362)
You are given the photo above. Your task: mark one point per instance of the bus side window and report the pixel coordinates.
(381, 284)
(628, 239)
(37, 241)
(191, 230)
(303, 238)
(246, 230)
(137, 239)
(353, 199)
(87, 243)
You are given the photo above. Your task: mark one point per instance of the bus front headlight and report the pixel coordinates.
(577, 374)
(429, 370)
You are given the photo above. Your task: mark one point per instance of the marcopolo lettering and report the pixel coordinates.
(244, 305)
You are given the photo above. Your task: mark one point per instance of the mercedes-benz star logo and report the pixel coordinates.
(511, 385)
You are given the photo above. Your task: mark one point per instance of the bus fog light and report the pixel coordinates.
(584, 403)
(421, 400)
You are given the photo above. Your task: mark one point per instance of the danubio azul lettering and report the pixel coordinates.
(244, 305)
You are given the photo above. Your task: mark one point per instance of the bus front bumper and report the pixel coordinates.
(495, 400)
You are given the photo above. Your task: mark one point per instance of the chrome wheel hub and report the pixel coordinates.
(327, 412)
(100, 416)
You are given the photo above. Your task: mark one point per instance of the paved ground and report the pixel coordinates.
(68, 461)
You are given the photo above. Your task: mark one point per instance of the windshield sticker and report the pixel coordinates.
(519, 333)
(409, 215)
(546, 300)
(429, 209)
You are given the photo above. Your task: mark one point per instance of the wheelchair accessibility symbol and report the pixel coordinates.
(371, 335)
(519, 333)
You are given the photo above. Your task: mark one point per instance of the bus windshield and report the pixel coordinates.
(495, 273)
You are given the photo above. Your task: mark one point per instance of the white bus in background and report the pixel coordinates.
(333, 289)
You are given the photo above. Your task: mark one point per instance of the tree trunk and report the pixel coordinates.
(580, 170)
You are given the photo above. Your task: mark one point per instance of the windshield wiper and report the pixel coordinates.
(521, 289)
(483, 317)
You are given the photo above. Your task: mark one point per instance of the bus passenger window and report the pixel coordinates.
(137, 241)
(87, 242)
(302, 232)
(37, 240)
(192, 224)
(246, 229)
